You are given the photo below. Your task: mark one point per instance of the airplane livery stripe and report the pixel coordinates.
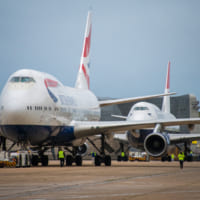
(168, 75)
(87, 44)
(50, 83)
(86, 75)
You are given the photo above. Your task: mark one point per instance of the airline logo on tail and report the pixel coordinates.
(166, 99)
(85, 55)
(83, 78)
(168, 77)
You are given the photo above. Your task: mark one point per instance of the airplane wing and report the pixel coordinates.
(128, 100)
(89, 128)
(174, 138)
(183, 137)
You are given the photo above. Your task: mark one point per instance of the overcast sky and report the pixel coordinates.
(132, 41)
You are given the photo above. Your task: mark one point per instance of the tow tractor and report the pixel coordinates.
(5, 160)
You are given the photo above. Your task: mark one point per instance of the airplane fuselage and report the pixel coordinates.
(38, 109)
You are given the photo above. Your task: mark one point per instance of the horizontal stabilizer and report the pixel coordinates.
(119, 116)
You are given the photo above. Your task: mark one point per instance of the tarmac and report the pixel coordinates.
(122, 181)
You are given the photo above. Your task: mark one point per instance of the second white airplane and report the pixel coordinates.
(155, 140)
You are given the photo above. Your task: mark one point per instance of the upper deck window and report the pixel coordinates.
(22, 79)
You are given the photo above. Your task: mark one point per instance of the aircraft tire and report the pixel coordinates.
(45, 160)
(107, 161)
(119, 158)
(34, 160)
(69, 160)
(78, 160)
(163, 159)
(126, 158)
(97, 160)
(169, 159)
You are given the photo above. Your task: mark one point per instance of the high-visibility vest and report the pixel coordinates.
(61, 154)
(172, 156)
(122, 154)
(93, 154)
(181, 156)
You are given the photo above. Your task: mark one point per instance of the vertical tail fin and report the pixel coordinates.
(83, 78)
(166, 99)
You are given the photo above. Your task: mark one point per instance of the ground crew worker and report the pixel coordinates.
(61, 156)
(172, 157)
(122, 155)
(93, 154)
(181, 158)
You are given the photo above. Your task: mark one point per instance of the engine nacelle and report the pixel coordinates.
(156, 144)
(83, 149)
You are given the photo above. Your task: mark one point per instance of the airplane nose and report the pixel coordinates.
(13, 109)
(142, 116)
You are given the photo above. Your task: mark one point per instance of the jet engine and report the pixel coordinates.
(156, 144)
(83, 149)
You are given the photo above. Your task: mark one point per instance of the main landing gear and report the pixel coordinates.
(101, 157)
(2, 143)
(40, 157)
(70, 159)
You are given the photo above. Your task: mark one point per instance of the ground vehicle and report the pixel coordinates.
(22, 158)
(5, 160)
(139, 156)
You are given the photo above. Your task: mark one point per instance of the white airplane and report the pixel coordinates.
(156, 140)
(37, 109)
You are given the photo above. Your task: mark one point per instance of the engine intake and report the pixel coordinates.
(156, 144)
(83, 149)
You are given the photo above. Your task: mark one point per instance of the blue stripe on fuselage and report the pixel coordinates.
(37, 134)
(52, 95)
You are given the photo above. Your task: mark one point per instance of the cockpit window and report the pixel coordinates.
(27, 79)
(15, 79)
(22, 79)
(141, 108)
